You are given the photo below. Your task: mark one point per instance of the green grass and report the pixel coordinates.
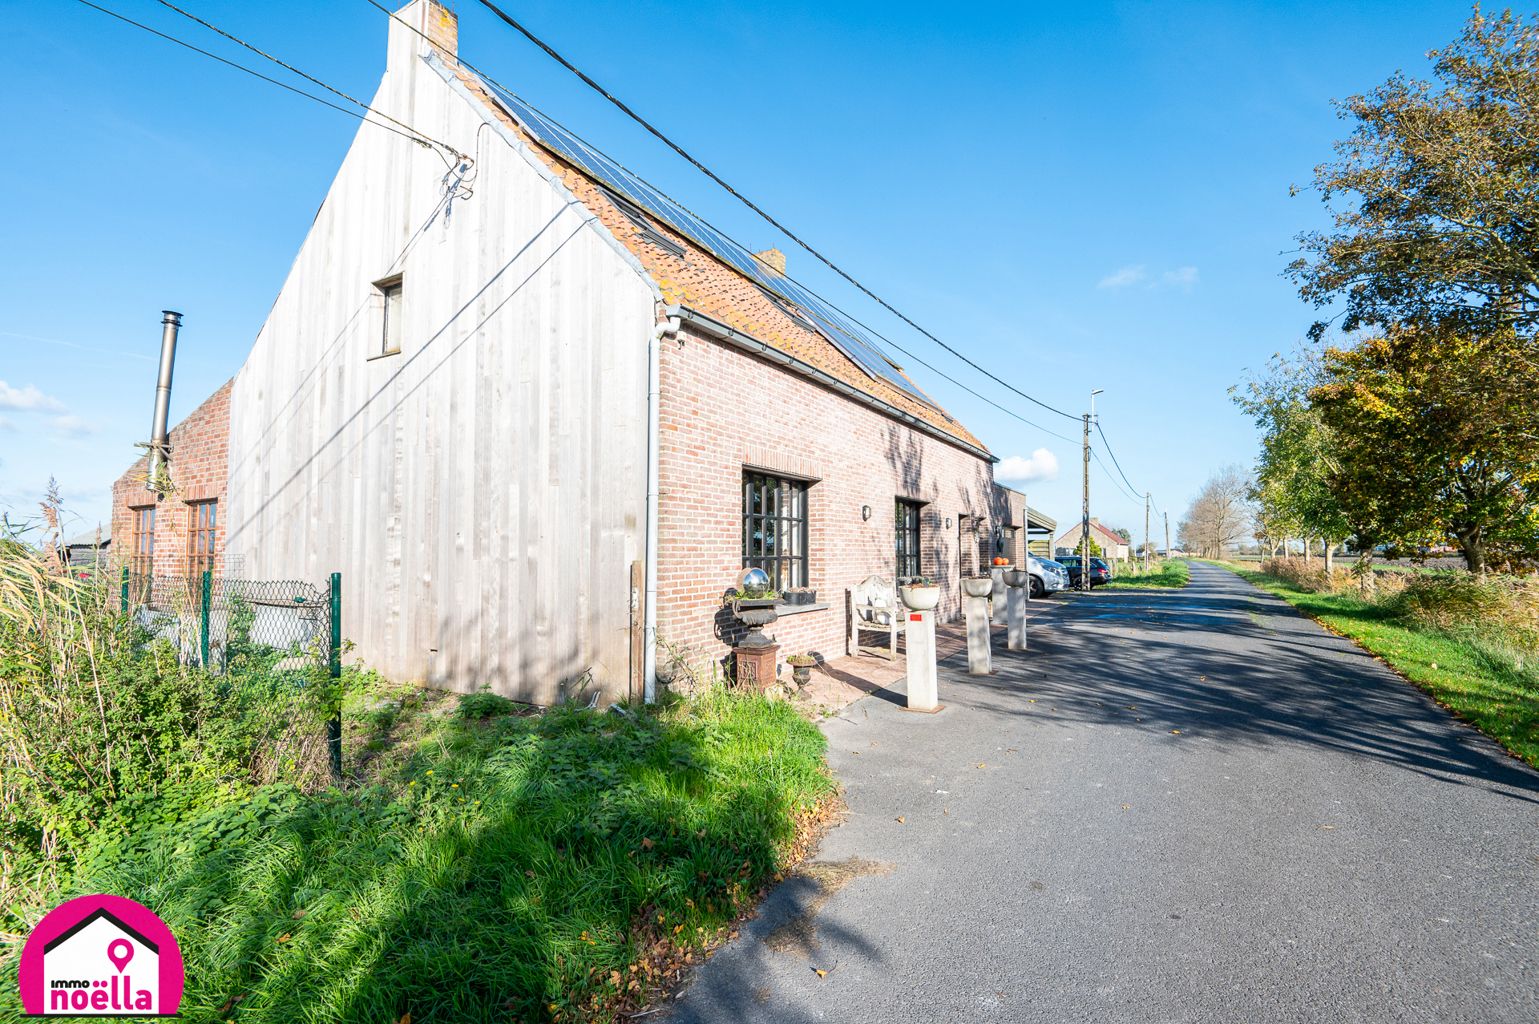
(494, 865)
(1166, 575)
(1484, 681)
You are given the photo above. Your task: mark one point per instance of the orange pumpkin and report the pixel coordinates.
(1001, 561)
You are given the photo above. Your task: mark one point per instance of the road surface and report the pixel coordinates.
(1180, 806)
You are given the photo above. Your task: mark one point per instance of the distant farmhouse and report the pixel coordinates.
(1112, 545)
(538, 415)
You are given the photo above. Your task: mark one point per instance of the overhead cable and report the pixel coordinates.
(842, 312)
(411, 134)
(793, 236)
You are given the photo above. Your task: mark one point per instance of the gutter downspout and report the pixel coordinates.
(667, 326)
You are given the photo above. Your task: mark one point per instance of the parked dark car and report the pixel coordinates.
(1100, 572)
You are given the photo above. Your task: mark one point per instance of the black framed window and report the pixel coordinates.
(775, 528)
(906, 514)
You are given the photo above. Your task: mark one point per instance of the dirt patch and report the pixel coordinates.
(799, 936)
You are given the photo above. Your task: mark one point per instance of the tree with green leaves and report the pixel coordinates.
(1433, 437)
(1441, 182)
(1293, 492)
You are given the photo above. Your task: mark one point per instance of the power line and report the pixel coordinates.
(1113, 455)
(282, 64)
(793, 236)
(1114, 482)
(411, 134)
(841, 311)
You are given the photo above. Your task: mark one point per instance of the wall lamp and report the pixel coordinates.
(865, 512)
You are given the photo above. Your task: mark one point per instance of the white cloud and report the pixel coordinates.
(1184, 277)
(1042, 465)
(70, 425)
(1181, 277)
(28, 399)
(1124, 277)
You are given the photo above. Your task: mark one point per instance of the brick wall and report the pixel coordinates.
(199, 471)
(725, 410)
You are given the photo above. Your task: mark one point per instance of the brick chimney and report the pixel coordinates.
(775, 259)
(437, 22)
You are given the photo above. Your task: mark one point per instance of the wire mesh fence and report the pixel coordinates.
(273, 648)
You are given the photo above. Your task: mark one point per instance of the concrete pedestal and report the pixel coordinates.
(1015, 627)
(997, 599)
(919, 635)
(980, 660)
(756, 666)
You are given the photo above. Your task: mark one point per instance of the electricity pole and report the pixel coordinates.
(1084, 536)
(1167, 534)
(1146, 531)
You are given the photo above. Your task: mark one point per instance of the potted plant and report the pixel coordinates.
(919, 593)
(977, 586)
(801, 668)
(798, 596)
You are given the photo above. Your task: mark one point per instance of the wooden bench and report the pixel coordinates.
(874, 608)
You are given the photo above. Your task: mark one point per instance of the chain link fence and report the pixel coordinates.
(272, 646)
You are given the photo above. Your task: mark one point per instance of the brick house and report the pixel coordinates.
(180, 532)
(537, 415)
(1112, 544)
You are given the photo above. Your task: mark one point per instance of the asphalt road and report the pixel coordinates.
(1180, 806)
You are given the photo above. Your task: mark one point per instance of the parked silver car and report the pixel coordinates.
(1047, 576)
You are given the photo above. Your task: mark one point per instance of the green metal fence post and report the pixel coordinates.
(208, 599)
(125, 590)
(334, 665)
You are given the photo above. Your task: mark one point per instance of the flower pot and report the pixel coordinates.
(802, 674)
(1016, 577)
(977, 586)
(919, 598)
(755, 613)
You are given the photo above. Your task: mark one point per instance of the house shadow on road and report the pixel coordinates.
(1238, 667)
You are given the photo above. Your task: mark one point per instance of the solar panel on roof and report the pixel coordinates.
(847, 337)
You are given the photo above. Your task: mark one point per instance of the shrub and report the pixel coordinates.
(1309, 576)
(104, 728)
(1503, 609)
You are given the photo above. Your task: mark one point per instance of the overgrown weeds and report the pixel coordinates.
(485, 862)
(103, 725)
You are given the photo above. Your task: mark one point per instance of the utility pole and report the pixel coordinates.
(1167, 534)
(1084, 522)
(1146, 531)
(1084, 536)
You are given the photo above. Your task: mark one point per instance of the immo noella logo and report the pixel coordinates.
(101, 956)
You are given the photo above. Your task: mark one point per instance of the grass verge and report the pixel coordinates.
(491, 865)
(1482, 681)
(1166, 575)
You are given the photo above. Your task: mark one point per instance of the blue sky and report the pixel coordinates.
(1076, 195)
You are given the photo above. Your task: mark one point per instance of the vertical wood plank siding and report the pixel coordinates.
(482, 492)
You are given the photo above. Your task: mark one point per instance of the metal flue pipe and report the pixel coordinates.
(160, 433)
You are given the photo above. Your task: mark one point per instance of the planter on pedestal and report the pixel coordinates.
(920, 597)
(757, 655)
(977, 586)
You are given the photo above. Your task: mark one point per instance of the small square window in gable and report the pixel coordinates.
(386, 321)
